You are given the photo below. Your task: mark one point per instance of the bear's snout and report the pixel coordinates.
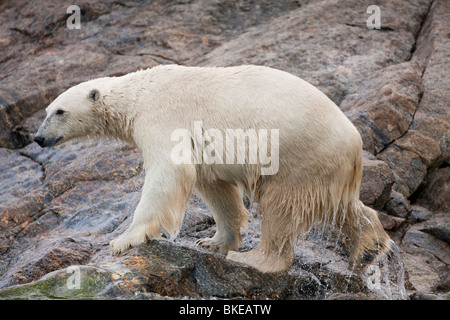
(46, 142)
(39, 140)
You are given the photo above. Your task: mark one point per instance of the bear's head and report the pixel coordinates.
(71, 115)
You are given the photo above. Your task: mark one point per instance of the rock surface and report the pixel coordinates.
(60, 207)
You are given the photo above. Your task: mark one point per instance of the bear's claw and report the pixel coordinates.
(207, 243)
(215, 245)
(367, 257)
(116, 248)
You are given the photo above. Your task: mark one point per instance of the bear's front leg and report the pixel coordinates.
(164, 194)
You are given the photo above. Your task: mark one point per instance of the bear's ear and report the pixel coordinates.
(94, 95)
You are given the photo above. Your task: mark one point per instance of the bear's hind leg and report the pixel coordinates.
(228, 212)
(279, 234)
(369, 241)
(274, 253)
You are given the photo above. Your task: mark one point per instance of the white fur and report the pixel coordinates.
(319, 156)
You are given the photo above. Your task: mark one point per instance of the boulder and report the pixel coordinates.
(383, 106)
(376, 182)
(435, 192)
(420, 214)
(162, 270)
(433, 50)
(398, 205)
(427, 250)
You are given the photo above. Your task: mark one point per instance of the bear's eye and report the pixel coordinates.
(59, 112)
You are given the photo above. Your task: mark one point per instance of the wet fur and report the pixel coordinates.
(320, 156)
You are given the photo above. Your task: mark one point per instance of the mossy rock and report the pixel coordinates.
(76, 282)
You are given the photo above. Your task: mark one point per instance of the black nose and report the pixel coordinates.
(39, 140)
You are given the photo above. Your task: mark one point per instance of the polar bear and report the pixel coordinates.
(317, 181)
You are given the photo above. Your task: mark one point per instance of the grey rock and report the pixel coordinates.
(376, 183)
(398, 205)
(419, 214)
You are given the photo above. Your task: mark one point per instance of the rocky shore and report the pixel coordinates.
(60, 207)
